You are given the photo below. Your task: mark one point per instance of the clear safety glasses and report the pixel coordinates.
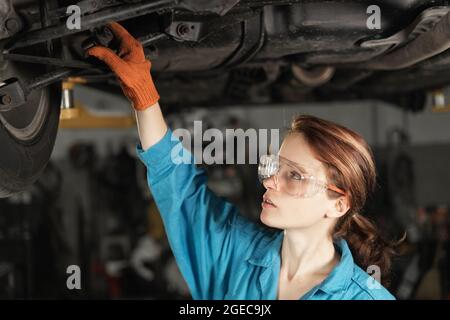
(290, 178)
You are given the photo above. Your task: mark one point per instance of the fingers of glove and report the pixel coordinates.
(136, 54)
(130, 48)
(117, 65)
(120, 32)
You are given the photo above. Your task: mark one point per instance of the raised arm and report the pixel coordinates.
(133, 71)
(204, 230)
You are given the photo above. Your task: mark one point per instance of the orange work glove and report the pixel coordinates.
(131, 68)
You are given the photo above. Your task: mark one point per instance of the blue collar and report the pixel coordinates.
(268, 251)
(341, 275)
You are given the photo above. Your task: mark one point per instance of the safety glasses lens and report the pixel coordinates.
(268, 166)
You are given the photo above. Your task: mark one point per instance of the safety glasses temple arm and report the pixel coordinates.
(335, 189)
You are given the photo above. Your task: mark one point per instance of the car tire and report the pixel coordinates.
(23, 158)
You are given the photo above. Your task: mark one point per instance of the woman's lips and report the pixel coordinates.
(267, 203)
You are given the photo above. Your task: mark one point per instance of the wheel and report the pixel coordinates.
(27, 133)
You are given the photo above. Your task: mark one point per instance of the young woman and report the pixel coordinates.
(316, 186)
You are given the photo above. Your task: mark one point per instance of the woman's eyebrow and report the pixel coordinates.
(302, 169)
(296, 165)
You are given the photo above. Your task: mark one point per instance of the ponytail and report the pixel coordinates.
(368, 247)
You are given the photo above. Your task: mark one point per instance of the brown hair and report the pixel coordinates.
(349, 166)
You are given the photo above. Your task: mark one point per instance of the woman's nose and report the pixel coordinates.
(270, 183)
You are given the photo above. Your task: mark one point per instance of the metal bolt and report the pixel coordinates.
(5, 99)
(182, 29)
(12, 25)
(104, 36)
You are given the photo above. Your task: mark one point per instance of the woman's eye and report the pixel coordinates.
(295, 175)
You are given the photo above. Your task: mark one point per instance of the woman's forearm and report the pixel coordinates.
(133, 71)
(151, 126)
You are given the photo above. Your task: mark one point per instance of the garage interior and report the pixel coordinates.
(92, 207)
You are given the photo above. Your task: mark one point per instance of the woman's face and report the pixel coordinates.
(291, 212)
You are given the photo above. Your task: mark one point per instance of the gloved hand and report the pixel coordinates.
(130, 66)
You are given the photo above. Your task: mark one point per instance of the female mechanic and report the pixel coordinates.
(318, 247)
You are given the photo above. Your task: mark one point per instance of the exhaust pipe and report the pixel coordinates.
(425, 46)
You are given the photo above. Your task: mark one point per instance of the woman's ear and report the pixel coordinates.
(341, 207)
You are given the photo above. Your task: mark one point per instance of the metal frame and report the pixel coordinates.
(90, 21)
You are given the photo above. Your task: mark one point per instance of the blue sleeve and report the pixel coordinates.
(197, 222)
